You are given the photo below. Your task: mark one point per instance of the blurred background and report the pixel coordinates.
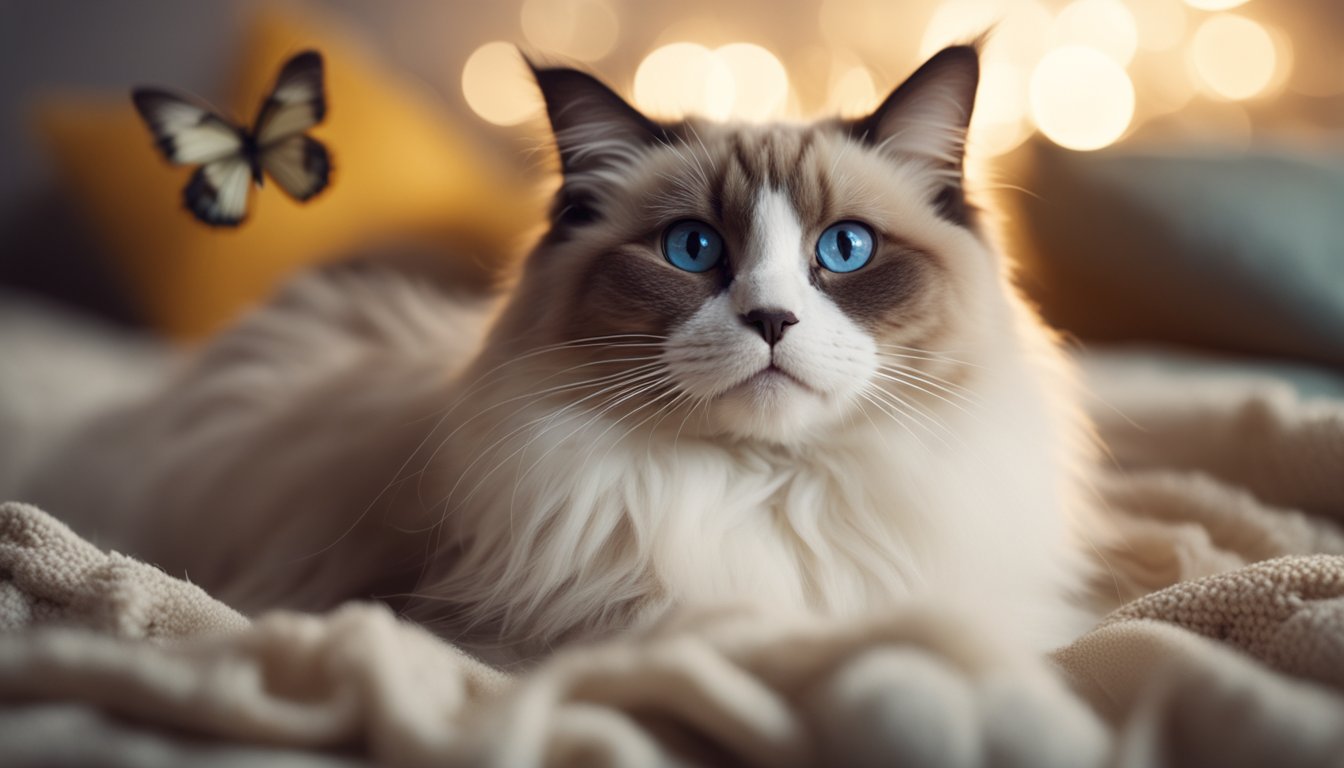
(1165, 170)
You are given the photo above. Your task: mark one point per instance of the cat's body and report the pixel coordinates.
(738, 418)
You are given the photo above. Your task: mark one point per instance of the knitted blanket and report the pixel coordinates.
(1225, 645)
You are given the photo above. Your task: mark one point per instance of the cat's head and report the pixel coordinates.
(777, 278)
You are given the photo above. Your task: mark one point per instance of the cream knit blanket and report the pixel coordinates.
(1226, 647)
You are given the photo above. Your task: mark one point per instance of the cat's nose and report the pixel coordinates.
(771, 323)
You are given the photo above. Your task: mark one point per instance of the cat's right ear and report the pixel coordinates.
(926, 119)
(594, 128)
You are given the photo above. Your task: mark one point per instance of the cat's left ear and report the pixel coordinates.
(593, 126)
(926, 119)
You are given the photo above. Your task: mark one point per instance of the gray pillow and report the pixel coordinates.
(1240, 252)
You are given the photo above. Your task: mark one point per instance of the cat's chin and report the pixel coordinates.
(772, 406)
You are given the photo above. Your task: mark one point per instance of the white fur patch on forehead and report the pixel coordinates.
(771, 273)
(776, 233)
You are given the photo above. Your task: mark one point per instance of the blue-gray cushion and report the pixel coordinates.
(1240, 252)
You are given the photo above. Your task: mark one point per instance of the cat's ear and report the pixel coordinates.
(926, 119)
(593, 126)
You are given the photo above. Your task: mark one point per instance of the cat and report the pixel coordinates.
(775, 364)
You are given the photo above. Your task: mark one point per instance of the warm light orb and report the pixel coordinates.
(739, 80)
(1285, 57)
(1019, 29)
(580, 29)
(1022, 36)
(1106, 25)
(1168, 83)
(684, 78)
(1161, 23)
(1080, 98)
(999, 122)
(761, 86)
(956, 21)
(497, 85)
(851, 92)
(877, 28)
(1233, 56)
(1213, 5)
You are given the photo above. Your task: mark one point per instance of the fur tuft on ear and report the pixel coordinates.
(593, 126)
(927, 117)
(596, 134)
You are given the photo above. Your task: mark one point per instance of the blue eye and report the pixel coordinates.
(692, 245)
(845, 247)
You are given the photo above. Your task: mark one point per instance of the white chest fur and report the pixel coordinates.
(966, 508)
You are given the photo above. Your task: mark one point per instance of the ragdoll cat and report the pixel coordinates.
(777, 364)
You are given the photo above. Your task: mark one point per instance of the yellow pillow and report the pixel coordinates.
(399, 170)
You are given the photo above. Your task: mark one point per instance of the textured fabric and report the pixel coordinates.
(1288, 612)
(1212, 466)
(1226, 561)
(54, 577)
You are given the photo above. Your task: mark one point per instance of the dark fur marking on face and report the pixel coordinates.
(744, 161)
(568, 214)
(716, 197)
(631, 290)
(808, 186)
(883, 293)
(804, 147)
(826, 194)
(950, 202)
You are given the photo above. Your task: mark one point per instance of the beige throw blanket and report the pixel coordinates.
(1232, 481)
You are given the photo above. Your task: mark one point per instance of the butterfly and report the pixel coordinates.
(230, 156)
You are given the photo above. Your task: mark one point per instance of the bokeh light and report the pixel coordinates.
(737, 81)
(1106, 25)
(957, 21)
(684, 78)
(1168, 83)
(1080, 98)
(1019, 29)
(760, 84)
(1233, 56)
(1214, 5)
(851, 92)
(999, 123)
(878, 28)
(1161, 24)
(585, 30)
(498, 86)
(1162, 54)
(1285, 56)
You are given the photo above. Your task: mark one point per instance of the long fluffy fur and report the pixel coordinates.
(589, 464)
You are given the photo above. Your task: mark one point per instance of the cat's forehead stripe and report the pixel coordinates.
(774, 158)
(780, 158)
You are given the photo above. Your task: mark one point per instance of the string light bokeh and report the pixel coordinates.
(1085, 74)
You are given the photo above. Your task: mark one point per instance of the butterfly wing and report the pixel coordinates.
(299, 165)
(186, 133)
(297, 102)
(217, 192)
